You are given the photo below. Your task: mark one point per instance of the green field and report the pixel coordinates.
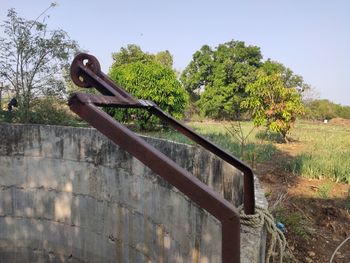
(321, 150)
(326, 151)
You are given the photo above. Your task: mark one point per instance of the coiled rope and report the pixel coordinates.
(263, 217)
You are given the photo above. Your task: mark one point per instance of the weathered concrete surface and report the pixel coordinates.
(69, 195)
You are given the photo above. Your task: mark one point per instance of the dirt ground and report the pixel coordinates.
(340, 122)
(316, 212)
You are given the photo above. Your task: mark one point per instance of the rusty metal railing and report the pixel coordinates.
(86, 72)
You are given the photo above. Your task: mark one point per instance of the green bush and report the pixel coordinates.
(48, 110)
(149, 81)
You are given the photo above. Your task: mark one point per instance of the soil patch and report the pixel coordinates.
(340, 122)
(316, 213)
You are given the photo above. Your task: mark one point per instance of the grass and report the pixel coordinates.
(325, 147)
(326, 152)
(323, 191)
(255, 150)
(294, 222)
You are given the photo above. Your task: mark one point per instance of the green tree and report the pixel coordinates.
(149, 81)
(217, 78)
(273, 99)
(133, 53)
(343, 111)
(325, 109)
(198, 74)
(32, 58)
(289, 79)
(164, 58)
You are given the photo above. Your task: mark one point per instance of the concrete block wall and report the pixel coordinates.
(70, 195)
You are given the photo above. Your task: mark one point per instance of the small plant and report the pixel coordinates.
(347, 201)
(270, 136)
(324, 190)
(294, 222)
(236, 131)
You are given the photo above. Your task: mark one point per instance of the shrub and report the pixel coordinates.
(149, 81)
(47, 110)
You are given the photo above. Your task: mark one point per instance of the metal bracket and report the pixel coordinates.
(86, 72)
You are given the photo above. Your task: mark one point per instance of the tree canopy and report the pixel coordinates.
(216, 78)
(32, 58)
(149, 77)
(321, 109)
(274, 99)
(232, 82)
(133, 53)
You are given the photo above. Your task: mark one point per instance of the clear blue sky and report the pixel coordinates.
(312, 37)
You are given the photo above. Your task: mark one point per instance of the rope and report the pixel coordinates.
(263, 217)
(335, 251)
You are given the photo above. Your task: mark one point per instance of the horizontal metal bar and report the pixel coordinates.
(110, 101)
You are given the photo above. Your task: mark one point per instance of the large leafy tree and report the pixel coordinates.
(217, 78)
(149, 77)
(133, 53)
(274, 98)
(32, 58)
(289, 79)
(199, 73)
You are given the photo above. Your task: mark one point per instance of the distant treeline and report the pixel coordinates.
(325, 109)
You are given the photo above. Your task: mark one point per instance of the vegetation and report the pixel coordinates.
(273, 98)
(255, 150)
(324, 190)
(133, 53)
(45, 110)
(32, 59)
(294, 221)
(232, 82)
(325, 148)
(325, 109)
(146, 78)
(216, 78)
(326, 153)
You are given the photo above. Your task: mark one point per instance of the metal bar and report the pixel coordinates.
(249, 195)
(111, 101)
(196, 190)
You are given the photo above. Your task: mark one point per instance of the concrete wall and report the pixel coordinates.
(70, 195)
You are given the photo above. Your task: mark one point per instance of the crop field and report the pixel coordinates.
(317, 150)
(326, 151)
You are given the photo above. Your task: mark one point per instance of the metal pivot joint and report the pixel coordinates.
(86, 72)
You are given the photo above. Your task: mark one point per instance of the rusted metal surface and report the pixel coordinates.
(86, 72)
